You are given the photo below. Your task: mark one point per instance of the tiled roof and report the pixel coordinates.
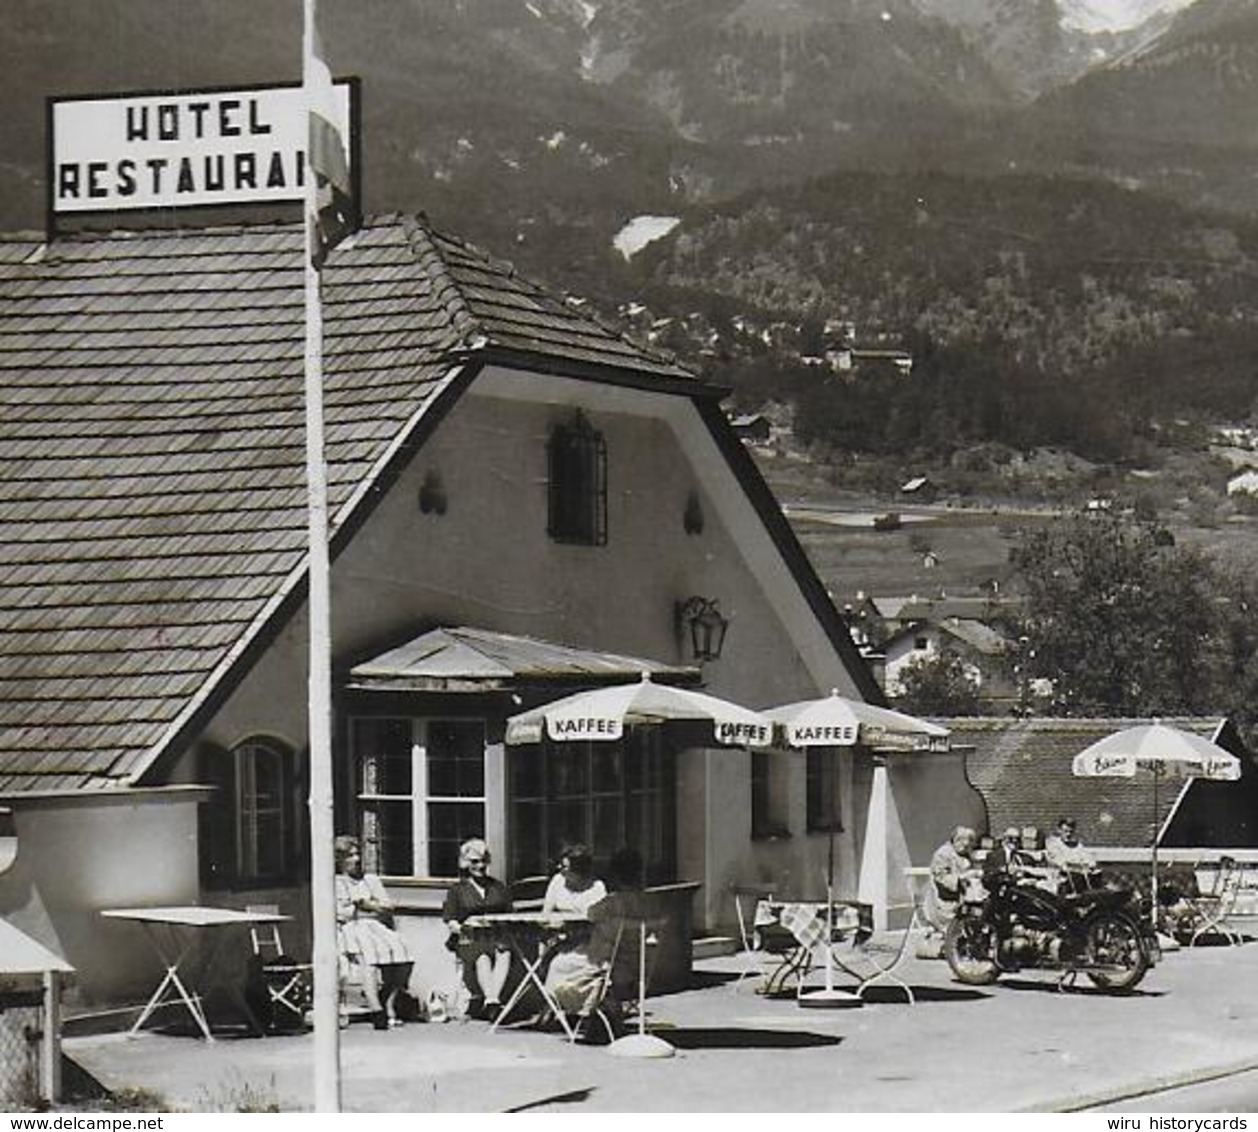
(1022, 769)
(152, 462)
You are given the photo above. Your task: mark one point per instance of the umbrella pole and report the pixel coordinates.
(830, 996)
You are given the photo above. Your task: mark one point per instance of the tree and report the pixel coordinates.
(1120, 621)
(938, 685)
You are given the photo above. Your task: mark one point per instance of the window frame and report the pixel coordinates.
(768, 804)
(250, 840)
(647, 805)
(576, 465)
(823, 810)
(364, 802)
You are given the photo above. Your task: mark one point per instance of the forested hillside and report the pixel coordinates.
(1039, 310)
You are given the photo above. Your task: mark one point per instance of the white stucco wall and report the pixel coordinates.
(77, 856)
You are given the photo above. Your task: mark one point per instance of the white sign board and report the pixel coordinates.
(190, 149)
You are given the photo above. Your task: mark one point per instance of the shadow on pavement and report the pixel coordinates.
(728, 1037)
(577, 1096)
(1080, 988)
(701, 980)
(893, 994)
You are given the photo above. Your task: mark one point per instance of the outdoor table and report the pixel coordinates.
(806, 921)
(176, 934)
(533, 937)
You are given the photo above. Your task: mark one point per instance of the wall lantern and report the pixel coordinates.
(700, 617)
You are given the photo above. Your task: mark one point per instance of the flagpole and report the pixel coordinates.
(327, 1036)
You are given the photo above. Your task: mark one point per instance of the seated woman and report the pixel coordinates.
(365, 935)
(486, 965)
(575, 970)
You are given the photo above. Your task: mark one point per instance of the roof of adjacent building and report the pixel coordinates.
(915, 608)
(152, 460)
(1022, 767)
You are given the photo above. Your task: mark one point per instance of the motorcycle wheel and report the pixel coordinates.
(1114, 943)
(968, 953)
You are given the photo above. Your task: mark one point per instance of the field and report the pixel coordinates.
(953, 548)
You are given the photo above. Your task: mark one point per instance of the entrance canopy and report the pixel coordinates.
(464, 659)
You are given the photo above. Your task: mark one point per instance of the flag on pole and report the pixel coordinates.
(335, 215)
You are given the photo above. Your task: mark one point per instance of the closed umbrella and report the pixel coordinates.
(835, 721)
(1166, 753)
(604, 713)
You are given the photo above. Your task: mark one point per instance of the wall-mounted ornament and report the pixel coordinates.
(432, 495)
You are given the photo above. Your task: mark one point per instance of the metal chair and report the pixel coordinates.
(287, 982)
(1215, 906)
(752, 943)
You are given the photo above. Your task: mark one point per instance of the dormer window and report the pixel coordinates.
(577, 456)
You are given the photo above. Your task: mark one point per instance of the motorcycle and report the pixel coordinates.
(1010, 922)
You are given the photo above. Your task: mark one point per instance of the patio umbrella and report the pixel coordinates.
(604, 713)
(1166, 752)
(835, 721)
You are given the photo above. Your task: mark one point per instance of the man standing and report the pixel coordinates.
(949, 866)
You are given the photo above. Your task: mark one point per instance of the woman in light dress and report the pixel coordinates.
(366, 938)
(573, 973)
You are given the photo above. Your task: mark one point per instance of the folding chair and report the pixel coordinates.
(1215, 906)
(603, 1003)
(287, 982)
(755, 954)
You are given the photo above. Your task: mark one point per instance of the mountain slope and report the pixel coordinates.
(1176, 116)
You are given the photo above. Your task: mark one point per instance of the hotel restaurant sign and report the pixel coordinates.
(190, 149)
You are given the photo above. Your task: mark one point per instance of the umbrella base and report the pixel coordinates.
(640, 1045)
(829, 999)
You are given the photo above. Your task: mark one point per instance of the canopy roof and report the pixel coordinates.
(468, 659)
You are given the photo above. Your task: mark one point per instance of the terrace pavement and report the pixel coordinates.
(1016, 1046)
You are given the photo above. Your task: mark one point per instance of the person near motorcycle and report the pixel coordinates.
(1007, 856)
(950, 864)
(1064, 850)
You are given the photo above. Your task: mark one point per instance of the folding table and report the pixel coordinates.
(177, 933)
(534, 937)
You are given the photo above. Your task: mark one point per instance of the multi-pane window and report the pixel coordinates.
(420, 792)
(577, 458)
(607, 795)
(822, 775)
(251, 830)
(261, 801)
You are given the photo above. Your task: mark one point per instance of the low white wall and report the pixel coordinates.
(77, 856)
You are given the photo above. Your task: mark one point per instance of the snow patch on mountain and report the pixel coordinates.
(640, 231)
(1114, 15)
